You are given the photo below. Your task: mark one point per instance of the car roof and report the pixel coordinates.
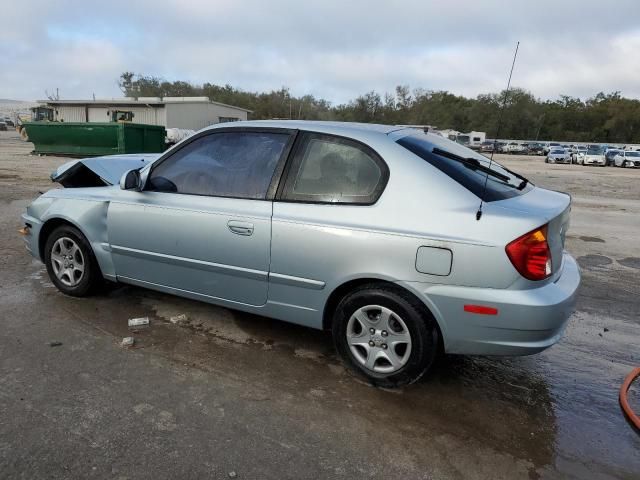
(339, 128)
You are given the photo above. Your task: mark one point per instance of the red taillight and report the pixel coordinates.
(530, 254)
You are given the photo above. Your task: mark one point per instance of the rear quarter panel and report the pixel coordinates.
(421, 206)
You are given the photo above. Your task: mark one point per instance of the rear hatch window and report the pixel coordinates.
(470, 169)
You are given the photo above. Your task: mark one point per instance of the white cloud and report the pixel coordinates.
(333, 49)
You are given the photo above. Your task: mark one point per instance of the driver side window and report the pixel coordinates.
(227, 164)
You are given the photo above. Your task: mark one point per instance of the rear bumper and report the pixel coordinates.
(527, 322)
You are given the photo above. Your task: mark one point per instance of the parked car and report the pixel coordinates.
(627, 158)
(558, 155)
(502, 147)
(609, 155)
(549, 146)
(577, 152)
(487, 146)
(369, 231)
(593, 156)
(535, 149)
(516, 148)
(3, 126)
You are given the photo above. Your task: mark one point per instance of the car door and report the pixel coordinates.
(201, 226)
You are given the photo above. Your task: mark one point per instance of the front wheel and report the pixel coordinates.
(70, 262)
(385, 335)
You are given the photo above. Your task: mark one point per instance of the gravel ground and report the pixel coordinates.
(227, 393)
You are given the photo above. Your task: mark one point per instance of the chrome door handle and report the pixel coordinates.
(240, 228)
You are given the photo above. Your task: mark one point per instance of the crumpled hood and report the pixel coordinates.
(100, 171)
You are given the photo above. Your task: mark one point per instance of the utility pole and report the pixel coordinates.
(540, 126)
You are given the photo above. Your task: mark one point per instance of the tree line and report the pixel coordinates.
(605, 117)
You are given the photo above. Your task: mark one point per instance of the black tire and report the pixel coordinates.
(90, 279)
(419, 322)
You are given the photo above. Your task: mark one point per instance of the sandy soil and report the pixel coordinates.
(225, 391)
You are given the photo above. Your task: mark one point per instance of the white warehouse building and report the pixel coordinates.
(191, 113)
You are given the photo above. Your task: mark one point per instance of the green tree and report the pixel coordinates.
(605, 117)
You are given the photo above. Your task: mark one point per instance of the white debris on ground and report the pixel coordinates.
(177, 319)
(127, 342)
(138, 322)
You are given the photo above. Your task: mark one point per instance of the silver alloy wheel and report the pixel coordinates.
(67, 261)
(378, 339)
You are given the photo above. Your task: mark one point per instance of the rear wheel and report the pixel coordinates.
(385, 335)
(70, 262)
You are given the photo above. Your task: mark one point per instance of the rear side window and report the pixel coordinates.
(330, 169)
(229, 164)
(468, 168)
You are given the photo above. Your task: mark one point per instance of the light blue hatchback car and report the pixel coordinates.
(371, 231)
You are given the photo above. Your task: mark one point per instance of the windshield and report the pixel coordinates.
(595, 151)
(557, 150)
(468, 168)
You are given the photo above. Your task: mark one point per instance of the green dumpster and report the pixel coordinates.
(95, 139)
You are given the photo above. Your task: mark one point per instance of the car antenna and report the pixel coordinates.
(495, 140)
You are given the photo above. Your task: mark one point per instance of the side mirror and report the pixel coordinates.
(130, 180)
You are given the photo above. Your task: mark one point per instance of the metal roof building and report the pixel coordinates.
(171, 112)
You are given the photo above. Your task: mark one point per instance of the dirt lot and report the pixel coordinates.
(229, 392)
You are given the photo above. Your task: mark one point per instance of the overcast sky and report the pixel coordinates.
(332, 49)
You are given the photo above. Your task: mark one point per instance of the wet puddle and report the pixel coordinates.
(554, 412)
